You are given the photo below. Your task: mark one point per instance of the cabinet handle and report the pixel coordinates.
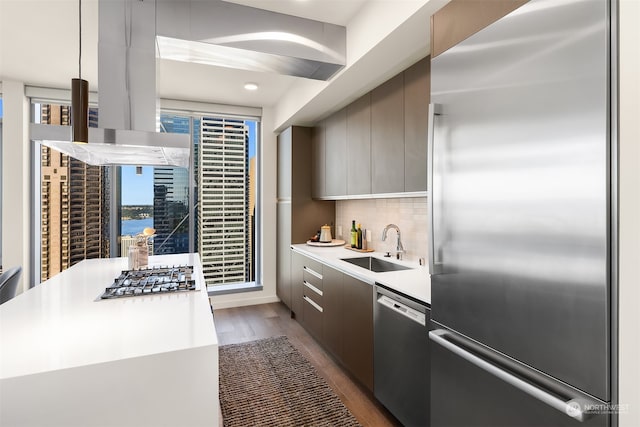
(310, 271)
(313, 304)
(313, 288)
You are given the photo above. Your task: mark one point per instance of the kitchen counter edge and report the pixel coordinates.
(414, 282)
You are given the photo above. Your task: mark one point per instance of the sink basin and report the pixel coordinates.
(375, 264)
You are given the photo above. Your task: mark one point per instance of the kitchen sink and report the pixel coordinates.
(375, 264)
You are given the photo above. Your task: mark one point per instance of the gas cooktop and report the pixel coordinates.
(156, 280)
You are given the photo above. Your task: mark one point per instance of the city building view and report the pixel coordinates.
(224, 239)
(171, 209)
(252, 218)
(171, 197)
(74, 200)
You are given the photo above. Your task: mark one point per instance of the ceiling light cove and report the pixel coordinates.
(251, 86)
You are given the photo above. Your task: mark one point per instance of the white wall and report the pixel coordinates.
(629, 244)
(268, 183)
(15, 180)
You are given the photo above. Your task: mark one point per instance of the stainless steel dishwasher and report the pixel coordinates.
(401, 356)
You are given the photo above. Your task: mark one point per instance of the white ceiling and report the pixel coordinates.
(39, 46)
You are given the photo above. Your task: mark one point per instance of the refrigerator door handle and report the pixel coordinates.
(572, 407)
(430, 237)
(434, 110)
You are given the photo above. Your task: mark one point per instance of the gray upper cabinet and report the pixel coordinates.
(359, 146)
(387, 136)
(318, 161)
(417, 92)
(299, 163)
(377, 144)
(284, 164)
(336, 149)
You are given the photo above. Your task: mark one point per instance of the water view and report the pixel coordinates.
(131, 227)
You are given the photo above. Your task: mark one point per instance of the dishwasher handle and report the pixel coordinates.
(402, 309)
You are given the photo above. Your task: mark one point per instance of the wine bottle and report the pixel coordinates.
(354, 234)
(359, 237)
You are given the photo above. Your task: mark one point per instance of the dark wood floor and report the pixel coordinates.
(241, 324)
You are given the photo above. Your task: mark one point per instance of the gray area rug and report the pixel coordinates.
(269, 383)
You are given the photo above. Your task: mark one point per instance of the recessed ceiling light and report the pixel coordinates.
(251, 86)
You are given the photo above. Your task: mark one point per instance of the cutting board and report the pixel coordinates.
(358, 250)
(334, 242)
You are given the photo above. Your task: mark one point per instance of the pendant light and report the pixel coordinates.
(80, 95)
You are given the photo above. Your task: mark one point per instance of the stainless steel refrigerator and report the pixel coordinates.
(520, 224)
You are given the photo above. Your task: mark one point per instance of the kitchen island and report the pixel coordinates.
(68, 358)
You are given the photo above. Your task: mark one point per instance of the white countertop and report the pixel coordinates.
(62, 324)
(415, 282)
(68, 358)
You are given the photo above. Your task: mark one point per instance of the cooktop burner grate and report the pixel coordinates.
(156, 280)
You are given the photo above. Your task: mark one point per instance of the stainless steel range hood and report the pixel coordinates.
(117, 147)
(127, 100)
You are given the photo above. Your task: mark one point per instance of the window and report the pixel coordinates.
(209, 208)
(136, 205)
(73, 202)
(226, 179)
(157, 197)
(223, 186)
(1, 114)
(171, 196)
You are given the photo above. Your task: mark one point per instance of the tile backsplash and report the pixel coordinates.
(409, 214)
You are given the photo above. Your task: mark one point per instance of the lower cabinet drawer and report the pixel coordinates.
(312, 317)
(313, 266)
(312, 277)
(312, 292)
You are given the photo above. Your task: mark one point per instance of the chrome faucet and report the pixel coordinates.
(399, 248)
